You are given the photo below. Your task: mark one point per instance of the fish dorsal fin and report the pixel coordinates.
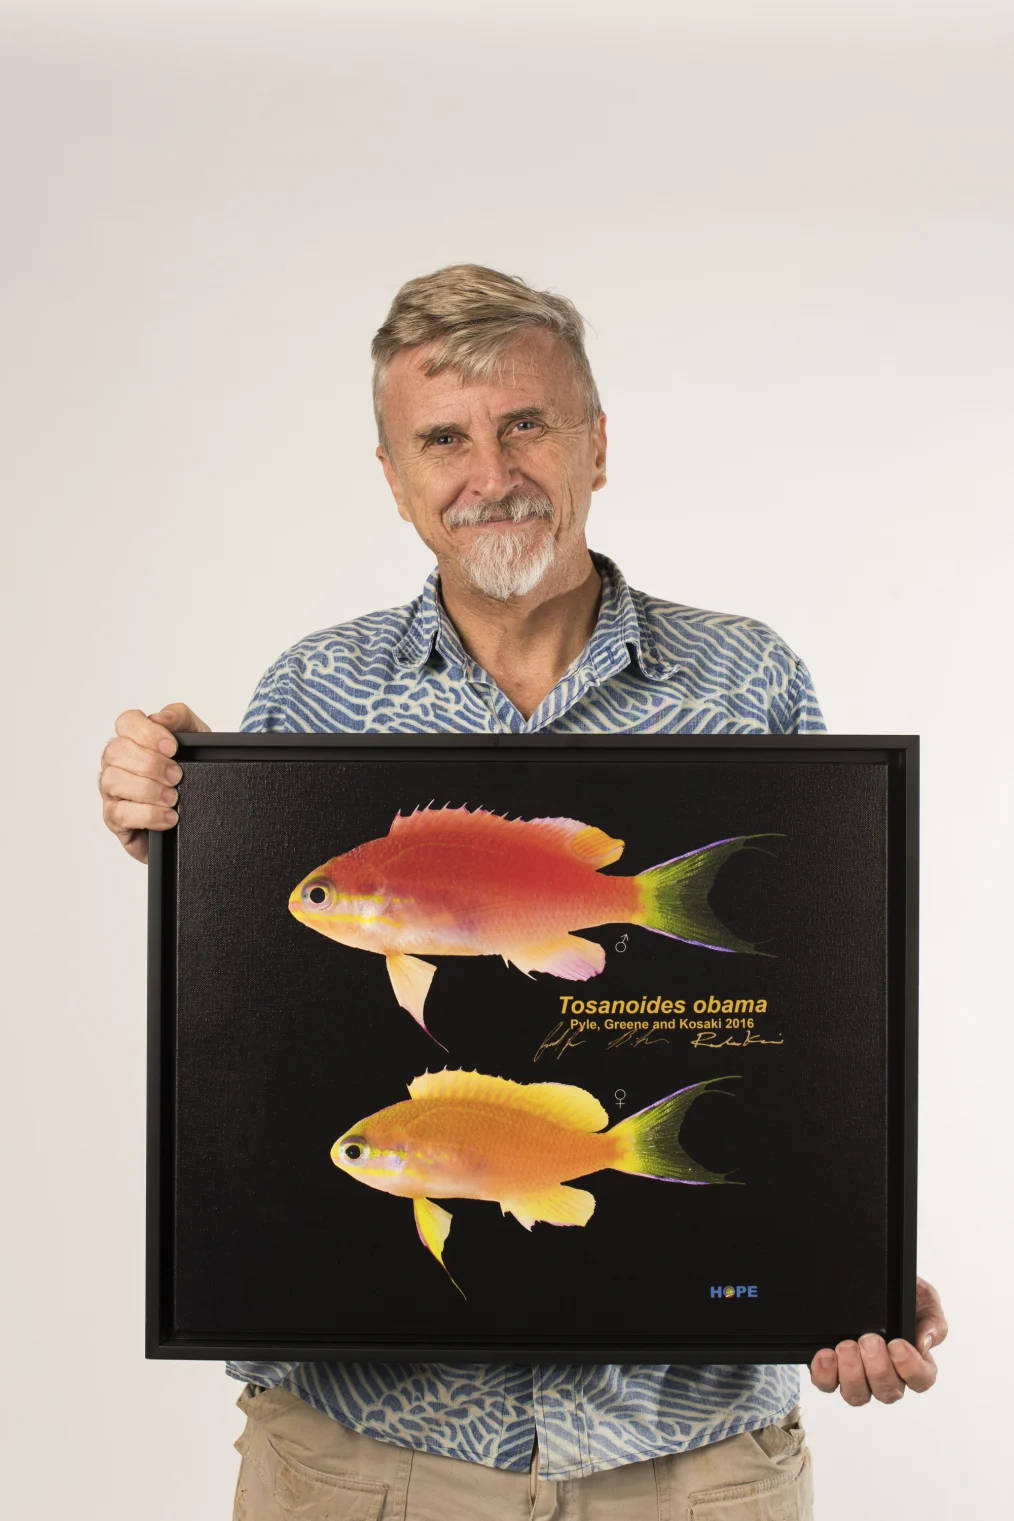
(587, 844)
(428, 821)
(584, 842)
(561, 1103)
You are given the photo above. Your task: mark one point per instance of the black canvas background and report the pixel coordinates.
(284, 1040)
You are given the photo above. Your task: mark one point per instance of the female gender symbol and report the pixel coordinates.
(620, 1095)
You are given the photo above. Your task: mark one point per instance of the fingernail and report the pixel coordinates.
(169, 795)
(847, 1346)
(173, 773)
(159, 716)
(825, 1359)
(869, 1342)
(897, 1347)
(167, 746)
(171, 816)
(927, 1342)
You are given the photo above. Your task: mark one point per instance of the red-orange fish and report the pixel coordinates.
(460, 882)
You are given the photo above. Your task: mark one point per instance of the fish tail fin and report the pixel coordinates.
(675, 897)
(650, 1140)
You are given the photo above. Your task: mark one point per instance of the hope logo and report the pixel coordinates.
(734, 1291)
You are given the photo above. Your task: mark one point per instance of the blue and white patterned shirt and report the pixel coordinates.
(650, 667)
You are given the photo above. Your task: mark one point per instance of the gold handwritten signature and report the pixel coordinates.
(708, 1038)
(636, 1038)
(562, 1038)
(559, 1039)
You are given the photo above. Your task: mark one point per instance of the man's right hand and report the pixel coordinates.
(139, 776)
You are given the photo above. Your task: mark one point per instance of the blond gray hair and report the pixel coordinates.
(473, 315)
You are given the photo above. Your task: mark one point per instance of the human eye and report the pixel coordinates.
(526, 423)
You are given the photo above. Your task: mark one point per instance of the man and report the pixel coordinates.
(492, 439)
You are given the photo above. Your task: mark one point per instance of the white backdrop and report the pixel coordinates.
(793, 238)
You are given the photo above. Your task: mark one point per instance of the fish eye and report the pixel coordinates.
(316, 894)
(354, 1149)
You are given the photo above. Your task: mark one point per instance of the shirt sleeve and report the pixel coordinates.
(795, 709)
(269, 709)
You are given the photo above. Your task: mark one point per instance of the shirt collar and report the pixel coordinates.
(621, 629)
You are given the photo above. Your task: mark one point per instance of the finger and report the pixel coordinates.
(127, 755)
(851, 1374)
(919, 1373)
(930, 1320)
(824, 1371)
(883, 1378)
(118, 785)
(181, 719)
(122, 818)
(143, 731)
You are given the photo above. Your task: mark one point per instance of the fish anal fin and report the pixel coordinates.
(561, 1104)
(556, 1205)
(569, 956)
(433, 1225)
(410, 979)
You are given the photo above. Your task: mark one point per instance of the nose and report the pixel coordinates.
(491, 474)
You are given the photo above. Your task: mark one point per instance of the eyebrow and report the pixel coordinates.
(536, 413)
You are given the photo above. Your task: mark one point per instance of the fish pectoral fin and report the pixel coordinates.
(569, 957)
(433, 1225)
(557, 1205)
(410, 979)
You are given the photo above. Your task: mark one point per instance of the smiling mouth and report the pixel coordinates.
(504, 517)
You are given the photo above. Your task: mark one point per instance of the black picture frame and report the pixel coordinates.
(183, 1249)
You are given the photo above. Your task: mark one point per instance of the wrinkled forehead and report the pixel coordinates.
(534, 370)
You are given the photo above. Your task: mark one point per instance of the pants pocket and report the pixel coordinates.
(286, 1490)
(785, 1493)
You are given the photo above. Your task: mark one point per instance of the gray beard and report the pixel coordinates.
(503, 566)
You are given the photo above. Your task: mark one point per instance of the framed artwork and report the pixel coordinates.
(548, 1048)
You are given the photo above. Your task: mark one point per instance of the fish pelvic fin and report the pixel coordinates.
(650, 1140)
(557, 1205)
(568, 956)
(433, 1225)
(410, 979)
(675, 897)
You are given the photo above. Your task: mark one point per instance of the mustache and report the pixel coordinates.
(515, 507)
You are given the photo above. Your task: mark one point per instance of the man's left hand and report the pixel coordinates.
(871, 1368)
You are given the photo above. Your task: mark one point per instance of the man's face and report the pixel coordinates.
(496, 476)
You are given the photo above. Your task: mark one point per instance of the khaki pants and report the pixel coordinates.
(302, 1465)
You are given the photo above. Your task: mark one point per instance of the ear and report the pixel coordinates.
(599, 453)
(391, 476)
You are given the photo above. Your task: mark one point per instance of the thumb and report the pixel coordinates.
(930, 1320)
(930, 1335)
(180, 719)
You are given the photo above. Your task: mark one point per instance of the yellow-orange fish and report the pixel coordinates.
(455, 882)
(463, 1135)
